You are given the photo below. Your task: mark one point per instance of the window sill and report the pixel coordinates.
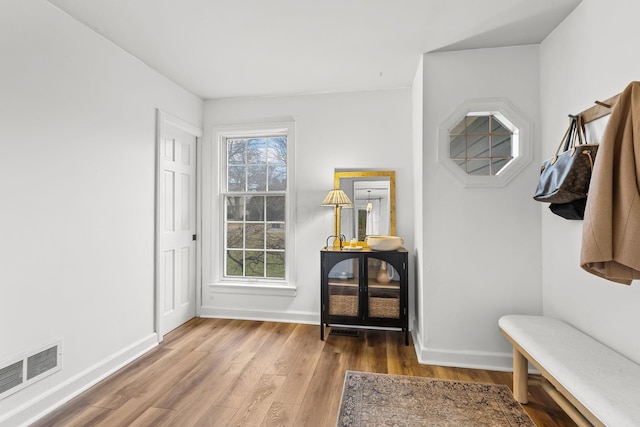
(264, 288)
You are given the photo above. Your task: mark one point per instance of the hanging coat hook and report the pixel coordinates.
(602, 104)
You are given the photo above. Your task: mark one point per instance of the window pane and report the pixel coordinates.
(498, 164)
(275, 208)
(479, 152)
(235, 235)
(275, 236)
(235, 151)
(498, 127)
(255, 236)
(277, 178)
(257, 180)
(478, 167)
(255, 208)
(236, 178)
(458, 147)
(277, 151)
(257, 151)
(459, 129)
(235, 208)
(275, 265)
(478, 124)
(501, 146)
(254, 264)
(234, 263)
(478, 146)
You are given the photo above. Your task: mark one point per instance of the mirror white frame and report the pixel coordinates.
(360, 179)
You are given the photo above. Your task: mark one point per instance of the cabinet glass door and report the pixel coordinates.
(383, 286)
(344, 289)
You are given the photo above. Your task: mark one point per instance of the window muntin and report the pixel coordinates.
(481, 144)
(255, 200)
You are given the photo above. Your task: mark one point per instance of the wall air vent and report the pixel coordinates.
(11, 376)
(42, 362)
(28, 368)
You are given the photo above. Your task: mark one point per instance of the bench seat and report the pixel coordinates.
(600, 383)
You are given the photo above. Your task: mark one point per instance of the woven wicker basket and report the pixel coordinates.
(343, 305)
(388, 308)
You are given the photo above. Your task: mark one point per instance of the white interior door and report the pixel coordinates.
(176, 225)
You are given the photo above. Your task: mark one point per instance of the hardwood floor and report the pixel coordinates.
(218, 372)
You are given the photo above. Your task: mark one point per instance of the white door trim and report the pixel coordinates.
(164, 119)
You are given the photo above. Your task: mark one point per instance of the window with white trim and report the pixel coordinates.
(485, 143)
(255, 189)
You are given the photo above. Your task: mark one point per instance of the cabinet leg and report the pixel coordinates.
(406, 336)
(322, 331)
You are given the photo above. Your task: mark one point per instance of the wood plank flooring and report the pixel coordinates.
(219, 372)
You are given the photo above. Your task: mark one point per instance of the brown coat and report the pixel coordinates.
(611, 229)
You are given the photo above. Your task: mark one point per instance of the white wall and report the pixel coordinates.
(591, 55)
(347, 130)
(77, 192)
(481, 246)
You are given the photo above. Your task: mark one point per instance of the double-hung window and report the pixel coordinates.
(256, 188)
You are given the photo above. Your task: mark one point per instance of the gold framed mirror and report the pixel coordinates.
(373, 194)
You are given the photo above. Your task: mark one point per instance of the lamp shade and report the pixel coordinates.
(336, 197)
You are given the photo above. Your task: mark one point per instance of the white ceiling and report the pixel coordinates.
(239, 48)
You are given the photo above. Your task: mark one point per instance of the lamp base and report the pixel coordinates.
(336, 237)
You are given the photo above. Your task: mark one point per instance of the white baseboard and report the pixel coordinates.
(460, 359)
(417, 338)
(262, 315)
(465, 359)
(41, 405)
(469, 359)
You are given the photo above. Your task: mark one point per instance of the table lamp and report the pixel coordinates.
(338, 199)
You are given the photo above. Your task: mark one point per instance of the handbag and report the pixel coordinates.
(565, 177)
(571, 210)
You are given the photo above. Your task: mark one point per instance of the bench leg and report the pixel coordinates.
(520, 377)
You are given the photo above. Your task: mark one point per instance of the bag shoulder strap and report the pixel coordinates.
(582, 139)
(567, 141)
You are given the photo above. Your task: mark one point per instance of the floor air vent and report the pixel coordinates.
(344, 332)
(29, 368)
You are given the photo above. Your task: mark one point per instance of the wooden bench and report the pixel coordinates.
(591, 382)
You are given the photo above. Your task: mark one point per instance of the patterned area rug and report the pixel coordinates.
(394, 400)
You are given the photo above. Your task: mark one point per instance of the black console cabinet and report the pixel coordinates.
(364, 288)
